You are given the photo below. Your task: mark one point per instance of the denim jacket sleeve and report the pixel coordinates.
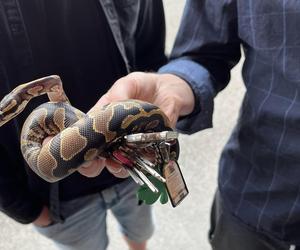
(206, 48)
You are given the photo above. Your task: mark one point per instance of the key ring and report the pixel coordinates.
(154, 174)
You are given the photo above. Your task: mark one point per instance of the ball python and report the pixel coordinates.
(78, 137)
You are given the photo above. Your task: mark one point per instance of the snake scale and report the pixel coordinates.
(78, 137)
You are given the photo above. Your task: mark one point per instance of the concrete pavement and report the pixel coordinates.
(185, 227)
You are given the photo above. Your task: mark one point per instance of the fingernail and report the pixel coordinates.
(114, 170)
(86, 164)
(101, 158)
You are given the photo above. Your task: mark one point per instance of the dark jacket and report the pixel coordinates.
(90, 44)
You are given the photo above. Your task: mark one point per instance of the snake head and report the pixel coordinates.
(9, 108)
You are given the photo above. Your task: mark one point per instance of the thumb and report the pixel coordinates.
(104, 100)
(122, 89)
(136, 85)
(168, 109)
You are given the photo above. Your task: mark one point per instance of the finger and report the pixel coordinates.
(136, 85)
(169, 108)
(116, 169)
(43, 219)
(47, 139)
(174, 96)
(104, 100)
(122, 89)
(93, 168)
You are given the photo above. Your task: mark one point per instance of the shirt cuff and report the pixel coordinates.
(200, 81)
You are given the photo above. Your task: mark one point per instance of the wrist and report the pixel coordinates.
(183, 94)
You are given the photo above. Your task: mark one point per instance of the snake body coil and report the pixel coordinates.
(78, 137)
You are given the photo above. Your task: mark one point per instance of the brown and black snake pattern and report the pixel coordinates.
(78, 137)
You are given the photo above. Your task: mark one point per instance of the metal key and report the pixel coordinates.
(149, 169)
(131, 173)
(130, 154)
(146, 180)
(162, 147)
(138, 176)
(142, 163)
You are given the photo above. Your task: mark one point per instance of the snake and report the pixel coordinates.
(77, 137)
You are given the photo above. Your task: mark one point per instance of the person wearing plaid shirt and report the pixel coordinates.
(257, 204)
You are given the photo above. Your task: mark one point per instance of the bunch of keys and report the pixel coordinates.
(151, 161)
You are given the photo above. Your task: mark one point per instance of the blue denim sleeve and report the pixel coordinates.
(206, 48)
(199, 80)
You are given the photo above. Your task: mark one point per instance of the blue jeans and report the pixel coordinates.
(85, 224)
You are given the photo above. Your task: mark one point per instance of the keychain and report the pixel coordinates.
(149, 161)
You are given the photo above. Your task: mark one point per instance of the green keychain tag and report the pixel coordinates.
(175, 187)
(148, 197)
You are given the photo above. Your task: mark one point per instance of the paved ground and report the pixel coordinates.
(185, 227)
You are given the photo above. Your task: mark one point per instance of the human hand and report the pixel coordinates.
(169, 92)
(44, 218)
(95, 167)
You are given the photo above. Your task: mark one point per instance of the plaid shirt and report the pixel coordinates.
(259, 176)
